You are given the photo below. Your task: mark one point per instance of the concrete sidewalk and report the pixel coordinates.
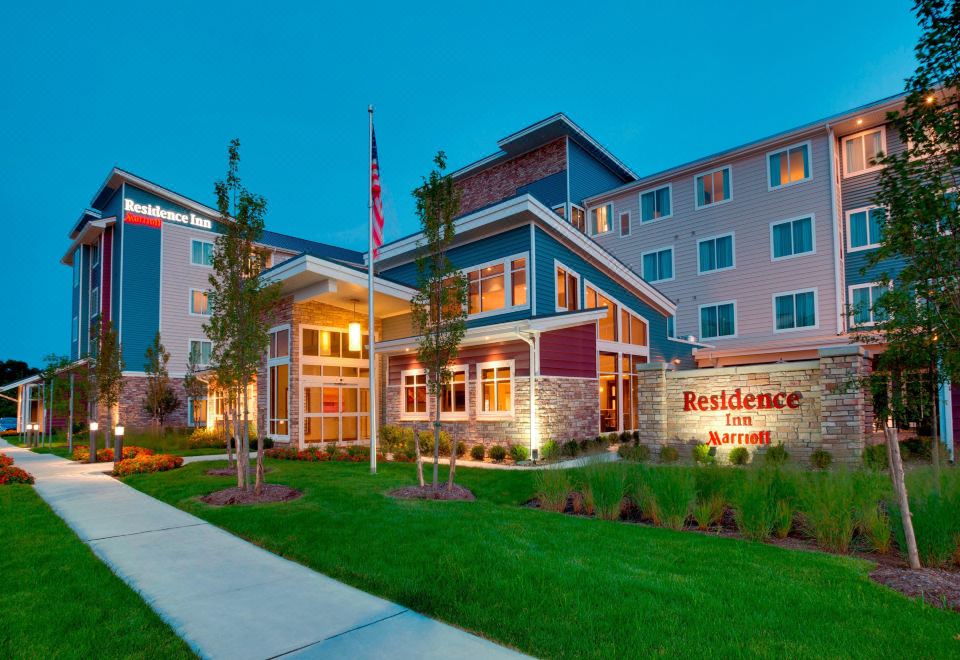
(225, 597)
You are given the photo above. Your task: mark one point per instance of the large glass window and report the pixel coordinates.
(497, 286)
(718, 320)
(865, 227)
(518, 281)
(601, 219)
(197, 412)
(655, 204)
(713, 187)
(568, 289)
(609, 415)
(278, 387)
(863, 304)
(792, 238)
(860, 151)
(795, 310)
(321, 342)
(496, 388)
(607, 326)
(658, 265)
(619, 324)
(791, 165)
(199, 303)
(201, 253)
(715, 254)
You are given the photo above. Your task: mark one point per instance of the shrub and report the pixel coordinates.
(739, 456)
(607, 483)
(936, 517)
(782, 518)
(14, 475)
(82, 454)
(916, 447)
(426, 443)
(611, 439)
(145, 463)
(312, 454)
(5, 461)
(776, 455)
(821, 459)
(203, 437)
(704, 454)
(519, 453)
(669, 454)
(461, 448)
(477, 452)
(709, 511)
(875, 525)
(828, 504)
(638, 453)
(550, 450)
(666, 495)
(624, 437)
(584, 445)
(391, 438)
(498, 453)
(636, 436)
(571, 448)
(875, 457)
(553, 489)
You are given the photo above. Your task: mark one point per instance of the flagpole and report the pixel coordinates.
(370, 326)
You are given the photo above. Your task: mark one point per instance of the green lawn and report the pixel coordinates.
(560, 586)
(60, 601)
(162, 444)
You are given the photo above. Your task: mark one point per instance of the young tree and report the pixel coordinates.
(439, 306)
(241, 303)
(106, 369)
(161, 399)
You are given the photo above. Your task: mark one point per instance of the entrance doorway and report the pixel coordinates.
(335, 411)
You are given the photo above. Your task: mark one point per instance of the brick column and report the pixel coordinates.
(652, 404)
(845, 408)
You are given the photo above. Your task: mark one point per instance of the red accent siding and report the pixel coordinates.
(471, 355)
(955, 404)
(106, 264)
(569, 352)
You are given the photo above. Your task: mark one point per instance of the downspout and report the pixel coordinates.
(837, 232)
(533, 342)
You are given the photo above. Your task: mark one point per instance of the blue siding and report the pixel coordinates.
(115, 208)
(140, 315)
(588, 176)
(551, 190)
(857, 261)
(549, 249)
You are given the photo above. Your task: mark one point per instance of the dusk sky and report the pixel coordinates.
(161, 92)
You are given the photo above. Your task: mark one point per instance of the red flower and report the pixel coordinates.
(14, 475)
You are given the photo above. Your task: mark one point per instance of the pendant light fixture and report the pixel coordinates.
(354, 342)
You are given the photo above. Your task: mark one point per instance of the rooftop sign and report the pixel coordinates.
(151, 215)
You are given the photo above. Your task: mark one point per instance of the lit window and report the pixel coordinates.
(278, 386)
(201, 253)
(496, 388)
(718, 320)
(795, 310)
(655, 204)
(561, 210)
(453, 398)
(414, 394)
(601, 219)
(658, 265)
(860, 151)
(578, 218)
(199, 303)
(518, 281)
(713, 187)
(625, 223)
(715, 254)
(568, 289)
(633, 329)
(792, 165)
(863, 307)
(201, 350)
(197, 412)
(487, 288)
(792, 238)
(607, 326)
(865, 227)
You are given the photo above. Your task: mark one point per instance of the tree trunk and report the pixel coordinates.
(246, 439)
(235, 438)
(226, 432)
(107, 441)
(900, 488)
(93, 438)
(258, 481)
(70, 422)
(416, 446)
(436, 443)
(453, 463)
(934, 427)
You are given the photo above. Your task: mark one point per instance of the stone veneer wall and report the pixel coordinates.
(502, 181)
(130, 411)
(567, 408)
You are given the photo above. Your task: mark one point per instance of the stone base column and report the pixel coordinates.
(846, 410)
(652, 403)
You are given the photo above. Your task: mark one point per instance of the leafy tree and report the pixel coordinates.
(439, 306)
(241, 304)
(10, 372)
(161, 399)
(106, 370)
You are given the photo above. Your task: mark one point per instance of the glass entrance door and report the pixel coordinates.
(336, 411)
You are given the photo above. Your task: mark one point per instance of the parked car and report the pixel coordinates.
(8, 424)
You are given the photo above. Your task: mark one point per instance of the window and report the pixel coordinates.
(76, 267)
(74, 329)
(715, 254)
(607, 326)
(561, 210)
(625, 223)
(496, 389)
(718, 320)
(863, 301)
(578, 218)
(658, 265)
(280, 344)
(601, 219)
(795, 310)
(713, 187)
(414, 394)
(278, 386)
(865, 227)
(94, 301)
(94, 255)
(568, 289)
(201, 349)
(201, 253)
(620, 323)
(197, 412)
(199, 303)
(655, 204)
(487, 286)
(453, 398)
(791, 238)
(789, 166)
(860, 151)
(672, 326)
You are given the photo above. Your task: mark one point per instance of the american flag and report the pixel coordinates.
(376, 236)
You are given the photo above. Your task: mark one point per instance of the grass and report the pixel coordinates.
(60, 601)
(557, 586)
(171, 443)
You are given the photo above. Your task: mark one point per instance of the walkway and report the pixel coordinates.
(226, 597)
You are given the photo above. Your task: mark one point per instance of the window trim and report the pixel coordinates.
(629, 222)
(871, 168)
(669, 187)
(850, 311)
(190, 303)
(816, 309)
(766, 162)
(413, 416)
(508, 305)
(696, 200)
(277, 361)
(586, 218)
(457, 416)
(557, 264)
(95, 248)
(589, 220)
(496, 414)
(202, 242)
(848, 214)
(733, 253)
(736, 323)
(813, 237)
(94, 296)
(673, 264)
(618, 346)
(201, 341)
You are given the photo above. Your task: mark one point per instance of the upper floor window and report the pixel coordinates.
(865, 227)
(568, 289)
(619, 324)
(863, 304)
(74, 330)
(789, 166)
(791, 238)
(578, 218)
(76, 267)
(655, 204)
(498, 285)
(201, 350)
(713, 187)
(715, 254)
(94, 255)
(625, 223)
(94, 301)
(860, 151)
(718, 320)
(658, 265)
(199, 302)
(795, 310)
(201, 253)
(672, 326)
(561, 210)
(601, 219)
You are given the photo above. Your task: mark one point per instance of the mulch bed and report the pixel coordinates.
(229, 472)
(271, 493)
(936, 586)
(443, 492)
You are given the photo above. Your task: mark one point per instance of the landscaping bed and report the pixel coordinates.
(428, 492)
(269, 493)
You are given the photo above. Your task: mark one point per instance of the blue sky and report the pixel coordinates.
(160, 92)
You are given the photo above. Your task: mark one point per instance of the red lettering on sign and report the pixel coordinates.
(137, 219)
(689, 401)
(793, 400)
(778, 400)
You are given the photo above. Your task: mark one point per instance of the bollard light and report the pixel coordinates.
(118, 431)
(94, 426)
